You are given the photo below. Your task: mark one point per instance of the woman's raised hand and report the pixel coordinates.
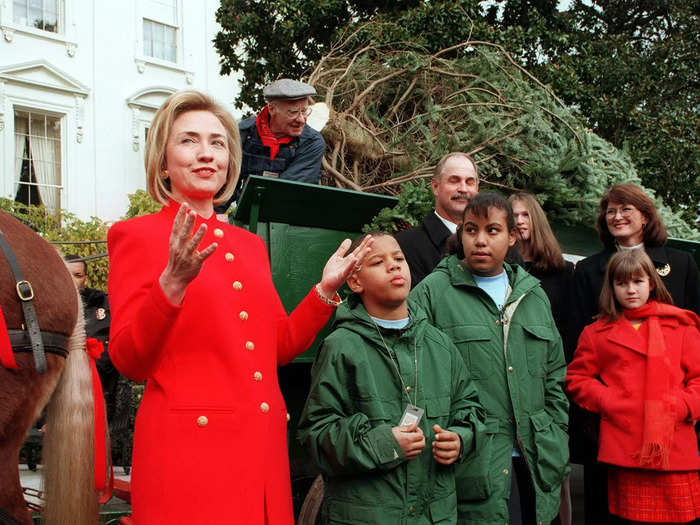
(184, 260)
(339, 267)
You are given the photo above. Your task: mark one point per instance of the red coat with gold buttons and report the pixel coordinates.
(210, 437)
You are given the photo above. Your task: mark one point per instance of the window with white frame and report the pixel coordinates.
(38, 159)
(41, 14)
(160, 29)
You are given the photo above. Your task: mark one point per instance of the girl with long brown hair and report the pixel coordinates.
(542, 256)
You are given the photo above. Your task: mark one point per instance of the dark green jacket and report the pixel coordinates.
(356, 398)
(516, 360)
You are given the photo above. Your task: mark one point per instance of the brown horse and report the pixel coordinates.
(70, 496)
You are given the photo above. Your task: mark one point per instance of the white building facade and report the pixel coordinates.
(80, 81)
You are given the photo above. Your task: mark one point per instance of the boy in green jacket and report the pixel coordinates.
(499, 317)
(391, 406)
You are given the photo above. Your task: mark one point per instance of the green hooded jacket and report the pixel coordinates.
(516, 359)
(356, 398)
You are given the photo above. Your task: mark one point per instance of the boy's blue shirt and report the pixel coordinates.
(496, 286)
(392, 324)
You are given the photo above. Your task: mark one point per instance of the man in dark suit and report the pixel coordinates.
(455, 182)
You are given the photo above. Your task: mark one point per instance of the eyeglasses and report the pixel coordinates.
(625, 211)
(294, 113)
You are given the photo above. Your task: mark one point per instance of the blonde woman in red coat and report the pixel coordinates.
(196, 315)
(638, 366)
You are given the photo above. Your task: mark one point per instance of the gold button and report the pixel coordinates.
(243, 315)
(218, 233)
(202, 421)
(257, 376)
(250, 346)
(264, 407)
(237, 285)
(408, 389)
(288, 416)
(228, 256)
(510, 369)
(505, 471)
(411, 510)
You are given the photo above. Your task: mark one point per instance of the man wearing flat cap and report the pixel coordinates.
(277, 142)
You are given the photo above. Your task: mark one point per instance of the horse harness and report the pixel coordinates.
(32, 339)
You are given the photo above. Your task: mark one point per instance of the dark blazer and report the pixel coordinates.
(97, 321)
(424, 246)
(557, 286)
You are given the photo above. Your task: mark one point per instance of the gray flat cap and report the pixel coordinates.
(286, 88)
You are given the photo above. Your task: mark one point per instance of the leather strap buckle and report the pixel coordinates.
(25, 292)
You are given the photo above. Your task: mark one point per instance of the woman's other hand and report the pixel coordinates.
(339, 267)
(184, 260)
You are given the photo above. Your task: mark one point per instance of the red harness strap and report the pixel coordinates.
(7, 356)
(104, 476)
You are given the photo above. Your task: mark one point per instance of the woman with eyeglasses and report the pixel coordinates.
(628, 220)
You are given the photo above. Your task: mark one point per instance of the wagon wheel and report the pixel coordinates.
(312, 503)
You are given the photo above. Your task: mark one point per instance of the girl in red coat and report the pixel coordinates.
(195, 314)
(638, 366)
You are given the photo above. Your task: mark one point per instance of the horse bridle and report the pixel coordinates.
(32, 339)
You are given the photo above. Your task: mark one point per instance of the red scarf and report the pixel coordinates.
(659, 401)
(268, 139)
(104, 475)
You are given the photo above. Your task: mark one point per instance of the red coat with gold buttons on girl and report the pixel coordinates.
(211, 428)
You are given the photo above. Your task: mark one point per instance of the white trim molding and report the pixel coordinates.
(2, 105)
(79, 117)
(9, 30)
(41, 74)
(144, 103)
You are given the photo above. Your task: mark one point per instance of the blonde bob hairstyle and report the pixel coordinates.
(159, 133)
(624, 266)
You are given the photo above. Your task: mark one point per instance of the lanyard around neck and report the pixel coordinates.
(394, 360)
